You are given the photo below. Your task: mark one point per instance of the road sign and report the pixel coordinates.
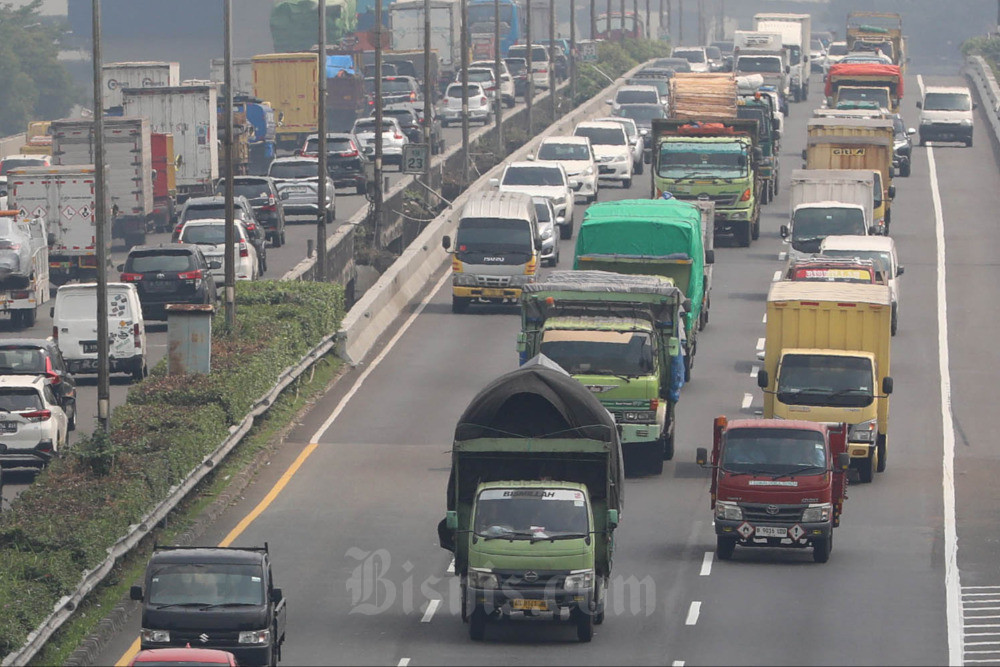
(415, 158)
(588, 52)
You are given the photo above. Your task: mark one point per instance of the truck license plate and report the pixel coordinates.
(8, 427)
(520, 604)
(90, 347)
(770, 531)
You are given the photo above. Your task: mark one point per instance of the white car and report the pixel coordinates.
(612, 149)
(393, 138)
(693, 54)
(635, 94)
(539, 63)
(637, 142)
(547, 220)
(946, 114)
(485, 77)
(506, 80)
(210, 235)
(542, 179)
(576, 156)
(880, 249)
(835, 52)
(33, 428)
(451, 108)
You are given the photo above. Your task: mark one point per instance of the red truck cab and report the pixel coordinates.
(777, 483)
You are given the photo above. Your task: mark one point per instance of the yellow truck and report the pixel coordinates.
(290, 82)
(38, 141)
(855, 143)
(826, 359)
(877, 31)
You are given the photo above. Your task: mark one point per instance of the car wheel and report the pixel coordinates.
(921, 141)
(627, 183)
(71, 422)
(639, 168)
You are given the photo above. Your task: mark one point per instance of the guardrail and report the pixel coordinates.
(981, 75)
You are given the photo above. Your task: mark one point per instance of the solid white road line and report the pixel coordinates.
(677, 663)
(783, 255)
(451, 566)
(432, 606)
(706, 564)
(953, 588)
(763, 320)
(693, 612)
(403, 662)
(747, 401)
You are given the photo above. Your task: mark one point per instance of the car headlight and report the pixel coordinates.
(864, 432)
(966, 121)
(155, 636)
(621, 158)
(817, 512)
(728, 511)
(578, 581)
(546, 234)
(482, 579)
(589, 171)
(255, 637)
(605, 158)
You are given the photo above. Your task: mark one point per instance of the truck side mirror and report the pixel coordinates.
(612, 518)
(522, 342)
(494, 182)
(135, 593)
(673, 346)
(892, 192)
(784, 231)
(762, 379)
(686, 305)
(920, 105)
(451, 520)
(975, 105)
(872, 230)
(277, 595)
(843, 461)
(887, 385)
(804, 156)
(701, 456)
(538, 244)
(900, 269)
(710, 257)
(758, 154)
(446, 242)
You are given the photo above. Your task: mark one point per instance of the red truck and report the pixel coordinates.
(777, 483)
(164, 180)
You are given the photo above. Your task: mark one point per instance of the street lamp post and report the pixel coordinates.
(465, 90)
(101, 216)
(321, 118)
(428, 95)
(498, 101)
(621, 17)
(529, 93)
(378, 124)
(552, 57)
(572, 53)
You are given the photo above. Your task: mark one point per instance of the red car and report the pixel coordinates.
(194, 657)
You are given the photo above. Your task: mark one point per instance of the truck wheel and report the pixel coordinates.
(866, 468)
(743, 236)
(584, 624)
(755, 230)
(477, 624)
(724, 547)
(28, 318)
(904, 169)
(277, 239)
(654, 458)
(882, 454)
(460, 304)
(822, 548)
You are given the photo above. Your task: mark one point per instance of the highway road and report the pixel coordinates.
(361, 483)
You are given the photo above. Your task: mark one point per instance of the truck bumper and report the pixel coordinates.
(796, 535)
(629, 433)
(728, 220)
(529, 599)
(488, 293)
(860, 450)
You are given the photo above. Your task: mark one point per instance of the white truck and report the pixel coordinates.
(190, 113)
(242, 74)
(827, 202)
(127, 152)
(118, 76)
(406, 27)
(63, 198)
(762, 53)
(795, 34)
(24, 267)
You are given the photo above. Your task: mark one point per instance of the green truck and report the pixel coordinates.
(761, 108)
(653, 237)
(619, 335)
(716, 159)
(535, 493)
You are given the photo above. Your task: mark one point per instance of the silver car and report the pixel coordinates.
(547, 230)
(393, 138)
(297, 181)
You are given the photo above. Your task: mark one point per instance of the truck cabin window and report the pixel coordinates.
(811, 225)
(206, 584)
(762, 64)
(879, 96)
(477, 236)
(628, 354)
(774, 451)
(830, 380)
(679, 159)
(531, 514)
(947, 102)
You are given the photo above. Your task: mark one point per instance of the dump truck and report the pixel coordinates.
(653, 237)
(776, 483)
(620, 336)
(716, 159)
(855, 143)
(826, 359)
(825, 202)
(868, 31)
(698, 95)
(844, 80)
(535, 493)
(24, 267)
(290, 83)
(795, 32)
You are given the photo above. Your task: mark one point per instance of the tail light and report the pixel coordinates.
(131, 277)
(397, 136)
(244, 252)
(55, 333)
(413, 97)
(7, 245)
(251, 227)
(746, 195)
(50, 373)
(177, 229)
(353, 153)
(37, 415)
(191, 275)
(136, 336)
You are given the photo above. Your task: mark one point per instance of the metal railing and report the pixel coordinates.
(979, 72)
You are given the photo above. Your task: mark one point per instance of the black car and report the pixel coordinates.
(411, 119)
(388, 69)
(39, 356)
(262, 194)
(400, 89)
(345, 163)
(518, 68)
(203, 208)
(902, 145)
(174, 273)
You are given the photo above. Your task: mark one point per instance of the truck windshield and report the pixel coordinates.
(682, 159)
(879, 96)
(821, 379)
(531, 514)
(947, 102)
(763, 64)
(811, 225)
(622, 353)
(207, 584)
(775, 451)
(493, 235)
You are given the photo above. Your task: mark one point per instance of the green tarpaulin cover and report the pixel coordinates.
(294, 26)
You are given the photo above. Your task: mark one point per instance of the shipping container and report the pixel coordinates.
(290, 82)
(118, 76)
(242, 74)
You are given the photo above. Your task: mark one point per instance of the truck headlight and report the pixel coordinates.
(817, 513)
(463, 279)
(255, 637)
(482, 579)
(578, 581)
(728, 511)
(155, 636)
(864, 432)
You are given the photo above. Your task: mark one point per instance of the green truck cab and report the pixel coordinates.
(619, 335)
(760, 108)
(653, 237)
(535, 493)
(716, 159)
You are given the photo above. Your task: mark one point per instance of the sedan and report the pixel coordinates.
(479, 105)
(542, 179)
(643, 116)
(636, 141)
(33, 426)
(210, 236)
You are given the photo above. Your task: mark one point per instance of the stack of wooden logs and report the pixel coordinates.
(697, 95)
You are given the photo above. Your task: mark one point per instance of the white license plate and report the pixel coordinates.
(770, 531)
(8, 427)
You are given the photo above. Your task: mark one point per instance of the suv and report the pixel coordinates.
(41, 357)
(201, 208)
(32, 425)
(400, 89)
(175, 273)
(411, 120)
(344, 161)
(262, 194)
(297, 179)
(695, 55)
(393, 138)
(232, 589)
(506, 80)
(946, 114)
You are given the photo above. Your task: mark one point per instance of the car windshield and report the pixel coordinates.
(542, 212)
(725, 47)
(533, 176)
(683, 159)
(212, 234)
(333, 144)
(662, 85)
(775, 451)
(206, 583)
(20, 399)
(883, 260)
(531, 514)
(396, 86)
(551, 150)
(249, 189)
(630, 129)
(947, 102)
(404, 116)
(641, 112)
(637, 97)
(692, 55)
(763, 64)
(294, 170)
(603, 136)
(159, 261)
(713, 52)
(16, 360)
(830, 380)
(624, 353)
(202, 212)
(814, 224)
(516, 66)
(455, 91)
(837, 49)
(368, 125)
(481, 76)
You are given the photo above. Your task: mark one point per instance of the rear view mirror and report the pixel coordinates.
(120, 267)
(710, 257)
(135, 593)
(975, 105)
(911, 130)
(701, 456)
(887, 385)
(494, 182)
(277, 595)
(762, 379)
(784, 231)
(843, 461)
(804, 154)
(560, 220)
(575, 184)
(538, 244)
(446, 242)
(920, 105)
(612, 518)
(451, 520)
(899, 270)
(607, 101)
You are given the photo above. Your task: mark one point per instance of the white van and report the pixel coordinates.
(946, 114)
(74, 328)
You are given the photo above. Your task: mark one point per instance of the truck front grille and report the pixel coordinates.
(492, 281)
(720, 200)
(784, 514)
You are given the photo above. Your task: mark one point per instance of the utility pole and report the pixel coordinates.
(498, 102)
(593, 19)
(659, 20)
(529, 94)
(428, 97)
(552, 58)
(465, 90)
(321, 118)
(720, 28)
(379, 194)
(621, 17)
(229, 259)
(649, 24)
(701, 21)
(101, 216)
(680, 22)
(572, 53)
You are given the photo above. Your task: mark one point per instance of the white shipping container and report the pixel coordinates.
(189, 113)
(406, 20)
(242, 74)
(751, 40)
(64, 198)
(117, 76)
